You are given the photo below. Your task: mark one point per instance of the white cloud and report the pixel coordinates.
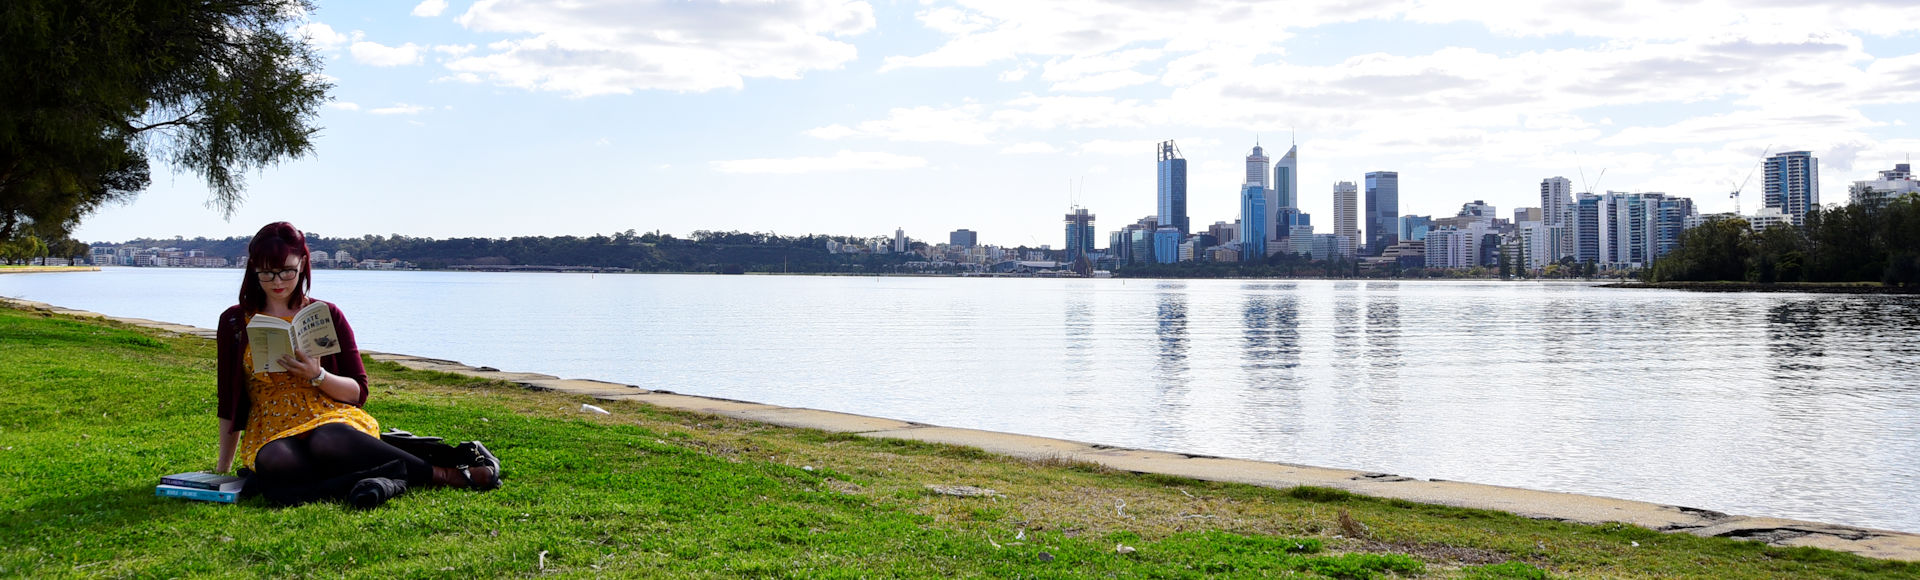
(454, 49)
(1030, 147)
(596, 47)
(400, 109)
(376, 54)
(962, 125)
(430, 8)
(841, 161)
(344, 106)
(322, 36)
(1141, 148)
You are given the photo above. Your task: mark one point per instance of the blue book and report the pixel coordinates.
(204, 480)
(164, 490)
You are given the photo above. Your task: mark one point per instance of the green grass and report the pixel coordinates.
(92, 412)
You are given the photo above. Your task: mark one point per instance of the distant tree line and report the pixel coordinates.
(1850, 243)
(704, 251)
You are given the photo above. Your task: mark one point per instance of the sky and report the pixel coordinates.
(499, 118)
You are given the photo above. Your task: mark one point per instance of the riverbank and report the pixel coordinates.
(43, 269)
(719, 490)
(1806, 287)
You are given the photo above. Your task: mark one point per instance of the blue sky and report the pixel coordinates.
(498, 118)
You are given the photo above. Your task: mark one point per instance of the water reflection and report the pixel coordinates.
(1271, 330)
(1794, 334)
(1171, 367)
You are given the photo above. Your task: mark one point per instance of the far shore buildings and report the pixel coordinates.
(1892, 183)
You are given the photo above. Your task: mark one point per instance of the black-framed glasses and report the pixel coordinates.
(283, 274)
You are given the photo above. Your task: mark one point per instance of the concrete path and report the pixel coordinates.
(1529, 503)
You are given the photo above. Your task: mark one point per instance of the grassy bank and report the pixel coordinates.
(92, 412)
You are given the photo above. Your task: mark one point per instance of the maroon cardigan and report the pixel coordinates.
(230, 343)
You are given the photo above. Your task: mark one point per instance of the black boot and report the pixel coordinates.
(372, 492)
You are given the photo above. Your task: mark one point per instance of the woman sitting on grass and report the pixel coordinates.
(306, 437)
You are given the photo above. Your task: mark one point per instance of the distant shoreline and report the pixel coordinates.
(45, 269)
(1806, 287)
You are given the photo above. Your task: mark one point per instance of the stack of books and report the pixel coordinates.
(200, 485)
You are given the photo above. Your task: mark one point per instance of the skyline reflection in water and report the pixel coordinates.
(1784, 405)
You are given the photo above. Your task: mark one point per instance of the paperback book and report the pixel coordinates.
(311, 332)
(204, 480)
(164, 490)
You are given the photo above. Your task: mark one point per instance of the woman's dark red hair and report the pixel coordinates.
(269, 251)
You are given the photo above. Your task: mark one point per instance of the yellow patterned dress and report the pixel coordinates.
(284, 406)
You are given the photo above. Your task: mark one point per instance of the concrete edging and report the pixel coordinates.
(1586, 509)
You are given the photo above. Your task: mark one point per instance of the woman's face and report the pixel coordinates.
(279, 282)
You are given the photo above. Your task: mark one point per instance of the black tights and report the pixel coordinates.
(327, 462)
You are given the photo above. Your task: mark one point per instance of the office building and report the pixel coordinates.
(1283, 193)
(1080, 233)
(1346, 211)
(1414, 227)
(1166, 245)
(1172, 188)
(963, 238)
(1253, 222)
(899, 241)
(1257, 166)
(1793, 184)
(1383, 210)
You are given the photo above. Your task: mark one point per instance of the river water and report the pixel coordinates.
(1789, 405)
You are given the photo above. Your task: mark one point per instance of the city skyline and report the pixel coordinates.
(497, 118)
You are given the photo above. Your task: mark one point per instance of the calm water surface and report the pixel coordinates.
(1789, 405)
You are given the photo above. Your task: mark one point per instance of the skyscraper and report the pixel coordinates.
(1383, 210)
(1556, 215)
(1253, 222)
(1257, 165)
(1173, 188)
(1079, 233)
(1793, 184)
(1282, 192)
(1346, 211)
(1286, 180)
(899, 241)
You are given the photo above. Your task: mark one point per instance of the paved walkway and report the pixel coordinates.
(1529, 503)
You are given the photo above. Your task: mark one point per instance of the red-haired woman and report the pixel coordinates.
(302, 432)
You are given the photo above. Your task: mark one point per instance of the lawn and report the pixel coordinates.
(93, 412)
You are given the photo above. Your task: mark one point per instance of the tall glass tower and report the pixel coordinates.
(1383, 211)
(1793, 184)
(1253, 222)
(1173, 188)
(1079, 233)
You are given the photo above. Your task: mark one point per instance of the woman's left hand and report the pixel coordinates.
(302, 367)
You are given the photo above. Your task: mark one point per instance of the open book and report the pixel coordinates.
(311, 331)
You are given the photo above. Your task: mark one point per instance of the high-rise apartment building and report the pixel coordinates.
(1628, 230)
(1556, 209)
(1173, 187)
(1383, 210)
(899, 241)
(1079, 233)
(1878, 193)
(1346, 211)
(1253, 222)
(1793, 184)
(963, 238)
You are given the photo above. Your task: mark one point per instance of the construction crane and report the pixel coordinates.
(1743, 185)
(1583, 174)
